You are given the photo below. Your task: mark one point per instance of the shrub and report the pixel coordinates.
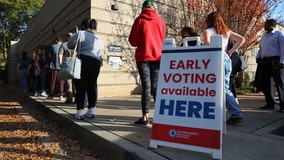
(247, 87)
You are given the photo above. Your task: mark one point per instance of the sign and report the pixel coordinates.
(190, 99)
(114, 48)
(115, 61)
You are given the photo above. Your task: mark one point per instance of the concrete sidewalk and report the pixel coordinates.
(113, 133)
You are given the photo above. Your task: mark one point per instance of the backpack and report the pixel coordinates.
(238, 62)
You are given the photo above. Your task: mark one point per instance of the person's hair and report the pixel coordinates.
(89, 23)
(24, 54)
(148, 4)
(272, 22)
(58, 39)
(68, 36)
(190, 31)
(214, 19)
(36, 52)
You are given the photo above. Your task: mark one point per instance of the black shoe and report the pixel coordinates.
(267, 107)
(235, 120)
(142, 122)
(68, 102)
(281, 110)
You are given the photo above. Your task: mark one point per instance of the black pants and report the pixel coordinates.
(233, 87)
(268, 67)
(90, 70)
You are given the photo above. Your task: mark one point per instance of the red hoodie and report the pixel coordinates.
(147, 34)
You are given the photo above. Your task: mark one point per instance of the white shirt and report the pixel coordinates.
(212, 30)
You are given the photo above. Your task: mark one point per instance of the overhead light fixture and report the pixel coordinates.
(67, 19)
(114, 7)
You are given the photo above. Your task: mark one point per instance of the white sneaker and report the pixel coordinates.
(36, 93)
(43, 94)
(90, 113)
(79, 115)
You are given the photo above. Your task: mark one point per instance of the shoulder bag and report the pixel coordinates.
(71, 66)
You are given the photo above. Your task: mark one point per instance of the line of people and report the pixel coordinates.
(33, 70)
(147, 34)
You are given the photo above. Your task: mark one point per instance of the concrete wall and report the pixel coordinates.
(12, 61)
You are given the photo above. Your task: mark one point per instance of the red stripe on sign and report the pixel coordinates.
(187, 135)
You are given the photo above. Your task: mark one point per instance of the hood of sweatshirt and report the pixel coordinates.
(148, 14)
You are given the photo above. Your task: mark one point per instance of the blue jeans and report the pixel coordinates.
(231, 103)
(24, 77)
(149, 73)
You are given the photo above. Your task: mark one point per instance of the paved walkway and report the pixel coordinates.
(113, 133)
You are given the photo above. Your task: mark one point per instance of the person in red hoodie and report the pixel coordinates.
(148, 34)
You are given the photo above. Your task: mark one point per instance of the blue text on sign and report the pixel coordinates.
(183, 108)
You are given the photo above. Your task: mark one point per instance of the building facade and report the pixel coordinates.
(118, 74)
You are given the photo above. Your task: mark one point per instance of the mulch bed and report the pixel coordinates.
(27, 134)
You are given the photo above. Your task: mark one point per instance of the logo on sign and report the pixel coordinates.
(173, 133)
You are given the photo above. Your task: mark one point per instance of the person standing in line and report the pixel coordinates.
(188, 32)
(54, 68)
(270, 59)
(37, 68)
(23, 64)
(234, 74)
(148, 34)
(64, 51)
(90, 48)
(215, 25)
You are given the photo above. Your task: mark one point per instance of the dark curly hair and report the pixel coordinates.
(190, 31)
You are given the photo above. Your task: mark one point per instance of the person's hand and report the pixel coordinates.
(280, 65)
(76, 29)
(257, 60)
(229, 53)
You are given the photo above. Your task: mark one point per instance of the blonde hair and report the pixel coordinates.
(36, 52)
